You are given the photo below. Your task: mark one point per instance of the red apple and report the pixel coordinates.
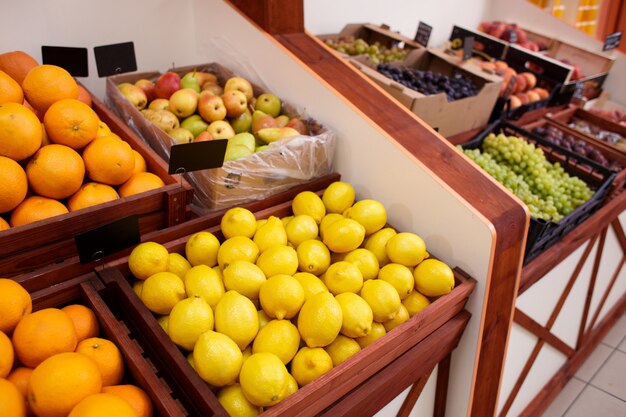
(166, 85)
(211, 107)
(204, 136)
(148, 87)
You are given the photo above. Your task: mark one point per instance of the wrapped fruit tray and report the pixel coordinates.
(543, 233)
(412, 344)
(49, 242)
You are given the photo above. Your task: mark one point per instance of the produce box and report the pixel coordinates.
(47, 242)
(435, 109)
(485, 47)
(284, 164)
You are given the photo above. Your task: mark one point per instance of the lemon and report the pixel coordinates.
(137, 287)
(338, 197)
(320, 320)
(300, 228)
(177, 264)
(260, 223)
(344, 235)
(357, 315)
(370, 213)
(238, 248)
(217, 359)
(400, 276)
(342, 349)
(382, 298)
(263, 318)
(415, 302)
(206, 282)
(147, 259)
(279, 337)
(164, 322)
(285, 220)
(279, 259)
(188, 320)
(328, 219)
(235, 403)
(292, 386)
(162, 291)
(337, 257)
(313, 257)
(365, 260)
(238, 221)
(406, 248)
(201, 249)
(399, 318)
(281, 296)
(307, 202)
(309, 364)
(377, 242)
(247, 352)
(378, 331)
(310, 283)
(236, 317)
(246, 278)
(343, 277)
(272, 233)
(264, 379)
(433, 278)
(190, 360)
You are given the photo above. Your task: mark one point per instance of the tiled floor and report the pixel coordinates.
(599, 387)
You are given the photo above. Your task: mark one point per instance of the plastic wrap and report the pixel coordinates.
(284, 164)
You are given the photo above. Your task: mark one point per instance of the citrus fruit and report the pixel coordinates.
(109, 160)
(205, 282)
(310, 284)
(162, 291)
(301, 228)
(10, 90)
(343, 277)
(14, 184)
(17, 64)
(271, 233)
(263, 318)
(281, 296)
(133, 395)
(71, 122)
(238, 221)
(7, 355)
(12, 403)
(177, 264)
(400, 276)
(309, 364)
(313, 257)
(140, 183)
(237, 248)
(292, 386)
(357, 315)
(20, 131)
(377, 242)
(217, 359)
(20, 377)
(342, 349)
(103, 405)
(42, 334)
(365, 260)
(140, 162)
(164, 322)
(278, 259)
(260, 222)
(433, 278)
(370, 213)
(382, 297)
(147, 259)
(107, 356)
(378, 331)
(307, 202)
(47, 84)
(84, 96)
(244, 277)
(15, 303)
(415, 302)
(91, 194)
(202, 248)
(62, 381)
(36, 208)
(235, 403)
(137, 287)
(188, 320)
(338, 197)
(401, 316)
(327, 220)
(344, 235)
(103, 130)
(279, 337)
(4, 225)
(84, 319)
(55, 171)
(406, 248)
(263, 379)
(320, 320)
(237, 318)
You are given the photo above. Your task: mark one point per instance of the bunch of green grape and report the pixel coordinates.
(377, 52)
(549, 192)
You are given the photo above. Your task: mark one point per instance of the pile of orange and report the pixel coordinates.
(52, 363)
(56, 155)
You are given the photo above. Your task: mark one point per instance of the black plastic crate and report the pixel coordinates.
(544, 233)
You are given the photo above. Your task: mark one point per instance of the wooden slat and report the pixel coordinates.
(541, 332)
(441, 393)
(591, 289)
(275, 16)
(413, 395)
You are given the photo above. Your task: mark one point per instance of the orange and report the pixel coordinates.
(36, 208)
(7, 355)
(14, 184)
(45, 84)
(61, 382)
(140, 182)
(103, 405)
(107, 356)
(140, 163)
(4, 225)
(103, 129)
(20, 131)
(84, 96)
(84, 319)
(91, 194)
(15, 303)
(45, 140)
(10, 90)
(55, 171)
(135, 396)
(20, 377)
(11, 401)
(109, 160)
(71, 122)
(43, 334)
(17, 64)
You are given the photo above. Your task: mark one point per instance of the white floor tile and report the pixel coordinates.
(595, 402)
(565, 398)
(610, 377)
(594, 362)
(617, 333)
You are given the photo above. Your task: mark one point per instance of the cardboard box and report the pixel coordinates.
(486, 47)
(449, 118)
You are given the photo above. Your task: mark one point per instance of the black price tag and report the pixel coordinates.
(468, 46)
(115, 59)
(195, 156)
(74, 60)
(612, 41)
(423, 33)
(579, 89)
(108, 239)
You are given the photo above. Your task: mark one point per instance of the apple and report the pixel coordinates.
(184, 102)
(163, 119)
(272, 134)
(221, 129)
(211, 107)
(269, 104)
(195, 124)
(243, 122)
(204, 136)
(212, 87)
(299, 125)
(181, 135)
(134, 94)
(237, 152)
(159, 104)
(261, 148)
(190, 80)
(241, 84)
(261, 120)
(148, 87)
(282, 120)
(245, 138)
(166, 84)
(205, 77)
(235, 103)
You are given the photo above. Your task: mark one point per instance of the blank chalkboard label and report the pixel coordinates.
(612, 41)
(468, 46)
(423, 33)
(115, 59)
(196, 156)
(74, 60)
(95, 244)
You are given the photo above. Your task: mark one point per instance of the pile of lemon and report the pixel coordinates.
(281, 301)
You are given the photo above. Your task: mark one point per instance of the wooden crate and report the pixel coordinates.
(25, 249)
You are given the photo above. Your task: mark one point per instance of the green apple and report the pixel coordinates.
(190, 80)
(181, 135)
(242, 123)
(241, 84)
(221, 129)
(235, 102)
(159, 104)
(272, 134)
(184, 102)
(261, 120)
(245, 138)
(211, 107)
(268, 104)
(195, 124)
(237, 152)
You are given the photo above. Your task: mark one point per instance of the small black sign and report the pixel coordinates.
(195, 156)
(115, 59)
(468, 46)
(579, 89)
(423, 33)
(95, 244)
(612, 41)
(484, 46)
(74, 60)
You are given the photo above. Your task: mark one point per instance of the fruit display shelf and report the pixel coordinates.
(88, 290)
(25, 249)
